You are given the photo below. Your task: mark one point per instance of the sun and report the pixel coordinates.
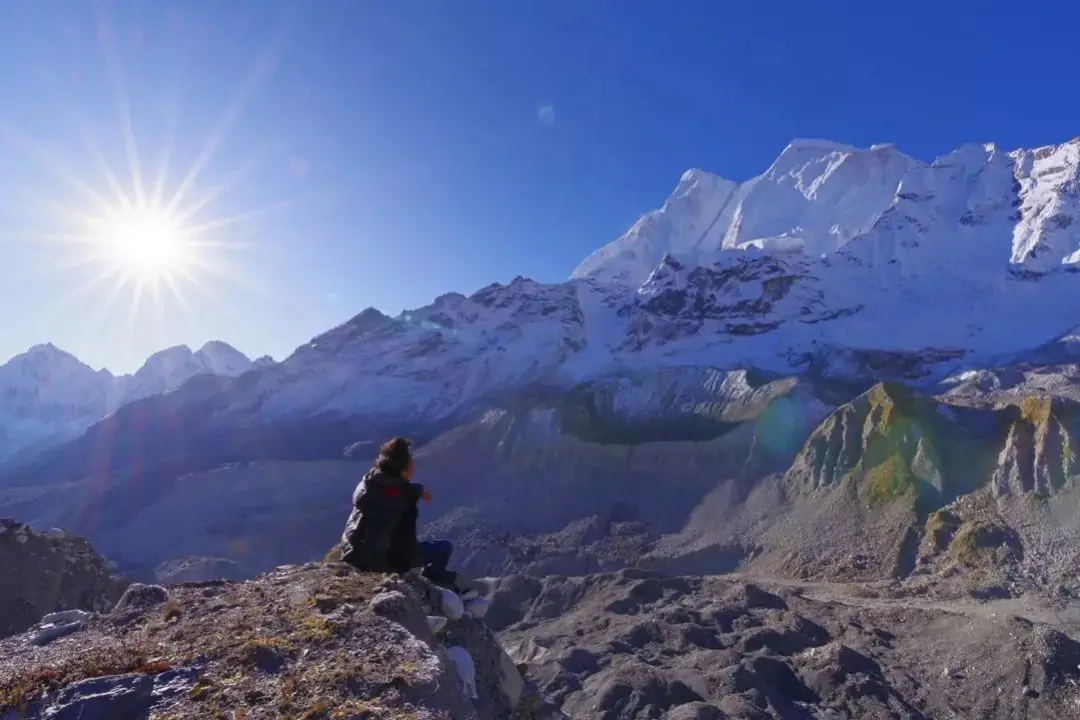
(157, 241)
(144, 242)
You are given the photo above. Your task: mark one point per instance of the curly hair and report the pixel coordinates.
(394, 456)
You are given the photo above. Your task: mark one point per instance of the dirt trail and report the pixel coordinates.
(1060, 613)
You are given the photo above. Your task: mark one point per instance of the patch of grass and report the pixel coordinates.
(286, 693)
(1035, 410)
(336, 591)
(312, 628)
(940, 527)
(334, 556)
(203, 689)
(25, 686)
(888, 480)
(172, 610)
(881, 400)
(977, 544)
(267, 653)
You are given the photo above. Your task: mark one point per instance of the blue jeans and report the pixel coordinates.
(436, 554)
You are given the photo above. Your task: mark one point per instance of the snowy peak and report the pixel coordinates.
(46, 374)
(44, 361)
(1047, 233)
(699, 204)
(221, 358)
(427, 362)
(978, 209)
(46, 391)
(47, 394)
(815, 197)
(172, 367)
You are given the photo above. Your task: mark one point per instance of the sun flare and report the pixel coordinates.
(144, 242)
(159, 245)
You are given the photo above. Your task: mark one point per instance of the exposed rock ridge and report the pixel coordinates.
(49, 572)
(311, 641)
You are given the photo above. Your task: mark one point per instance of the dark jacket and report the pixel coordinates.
(380, 535)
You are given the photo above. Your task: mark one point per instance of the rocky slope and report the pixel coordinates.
(529, 467)
(636, 644)
(47, 573)
(316, 641)
(720, 471)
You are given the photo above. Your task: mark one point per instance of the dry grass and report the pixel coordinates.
(171, 610)
(983, 544)
(940, 527)
(266, 649)
(19, 689)
(1035, 410)
(888, 480)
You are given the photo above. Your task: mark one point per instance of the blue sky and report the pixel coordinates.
(398, 150)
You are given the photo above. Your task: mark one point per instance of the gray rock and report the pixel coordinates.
(120, 697)
(141, 597)
(115, 697)
(66, 616)
(696, 711)
(45, 573)
(402, 609)
(47, 633)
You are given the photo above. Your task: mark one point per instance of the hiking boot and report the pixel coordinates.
(467, 589)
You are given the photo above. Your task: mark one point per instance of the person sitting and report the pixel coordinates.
(380, 534)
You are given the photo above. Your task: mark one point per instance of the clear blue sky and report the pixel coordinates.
(414, 147)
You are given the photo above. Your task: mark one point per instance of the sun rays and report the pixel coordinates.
(145, 236)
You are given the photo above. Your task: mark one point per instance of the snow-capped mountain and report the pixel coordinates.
(48, 395)
(47, 392)
(815, 197)
(169, 368)
(837, 260)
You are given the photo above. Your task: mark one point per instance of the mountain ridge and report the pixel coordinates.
(48, 395)
(839, 261)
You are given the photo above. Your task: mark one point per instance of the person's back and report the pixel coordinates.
(380, 534)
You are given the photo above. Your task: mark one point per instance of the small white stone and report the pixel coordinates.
(477, 607)
(48, 633)
(466, 670)
(65, 616)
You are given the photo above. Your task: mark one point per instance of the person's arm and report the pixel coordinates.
(417, 492)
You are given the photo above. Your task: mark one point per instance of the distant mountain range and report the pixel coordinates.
(48, 395)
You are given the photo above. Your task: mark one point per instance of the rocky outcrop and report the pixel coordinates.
(888, 441)
(49, 572)
(311, 641)
(1039, 454)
